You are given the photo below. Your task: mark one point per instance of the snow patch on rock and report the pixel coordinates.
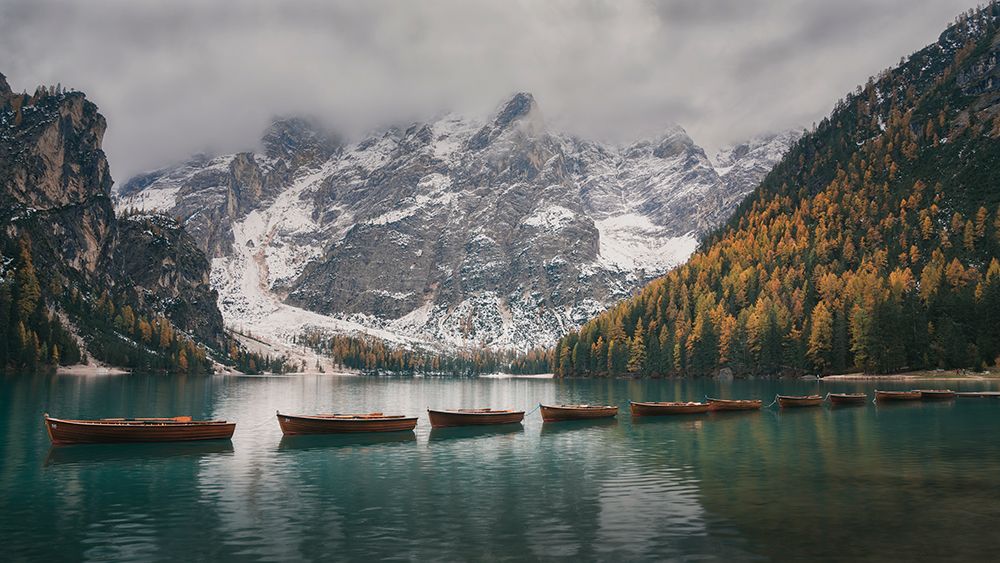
(149, 200)
(633, 242)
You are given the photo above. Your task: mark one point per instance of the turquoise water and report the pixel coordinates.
(917, 482)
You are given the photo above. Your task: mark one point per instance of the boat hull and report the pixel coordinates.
(560, 413)
(292, 425)
(891, 396)
(848, 398)
(787, 402)
(936, 394)
(735, 405)
(977, 394)
(63, 432)
(447, 419)
(668, 408)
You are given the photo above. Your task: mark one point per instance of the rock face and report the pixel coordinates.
(56, 189)
(457, 232)
(157, 257)
(52, 170)
(744, 165)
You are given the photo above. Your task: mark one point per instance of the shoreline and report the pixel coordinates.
(945, 375)
(90, 369)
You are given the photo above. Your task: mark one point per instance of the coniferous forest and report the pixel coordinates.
(873, 246)
(369, 354)
(33, 336)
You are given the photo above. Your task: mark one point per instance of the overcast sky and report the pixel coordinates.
(183, 76)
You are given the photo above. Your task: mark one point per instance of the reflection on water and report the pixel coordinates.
(580, 426)
(467, 432)
(812, 483)
(325, 441)
(118, 453)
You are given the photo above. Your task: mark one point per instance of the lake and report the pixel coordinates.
(917, 481)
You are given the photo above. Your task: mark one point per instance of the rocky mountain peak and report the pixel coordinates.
(674, 142)
(520, 109)
(54, 155)
(292, 137)
(729, 155)
(5, 92)
(519, 105)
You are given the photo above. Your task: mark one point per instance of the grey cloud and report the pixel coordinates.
(184, 76)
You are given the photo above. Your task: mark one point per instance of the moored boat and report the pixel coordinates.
(977, 394)
(559, 413)
(791, 401)
(847, 398)
(344, 423)
(883, 396)
(667, 407)
(734, 404)
(124, 430)
(936, 394)
(473, 417)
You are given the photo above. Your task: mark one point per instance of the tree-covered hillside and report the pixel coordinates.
(871, 246)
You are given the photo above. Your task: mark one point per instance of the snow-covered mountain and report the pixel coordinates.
(456, 232)
(744, 165)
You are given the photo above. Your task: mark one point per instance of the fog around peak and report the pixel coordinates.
(181, 77)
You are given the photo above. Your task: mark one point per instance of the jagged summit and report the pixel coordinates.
(675, 141)
(520, 109)
(288, 136)
(5, 91)
(728, 155)
(519, 105)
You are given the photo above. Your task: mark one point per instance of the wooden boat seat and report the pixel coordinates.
(371, 415)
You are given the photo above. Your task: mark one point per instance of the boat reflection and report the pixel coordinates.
(321, 441)
(739, 413)
(471, 432)
(553, 428)
(908, 405)
(100, 453)
(690, 420)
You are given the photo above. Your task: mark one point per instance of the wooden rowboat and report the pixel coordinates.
(936, 394)
(344, 423)
(883, 396)
(473, 417)
(734, 404)
(791, 401)
(558, 413)
(115, 430)
(848, 398)
(665, 408)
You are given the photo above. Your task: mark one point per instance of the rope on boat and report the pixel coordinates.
(533, 410)
(773, 402)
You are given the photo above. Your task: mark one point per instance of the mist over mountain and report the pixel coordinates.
(191, 76)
